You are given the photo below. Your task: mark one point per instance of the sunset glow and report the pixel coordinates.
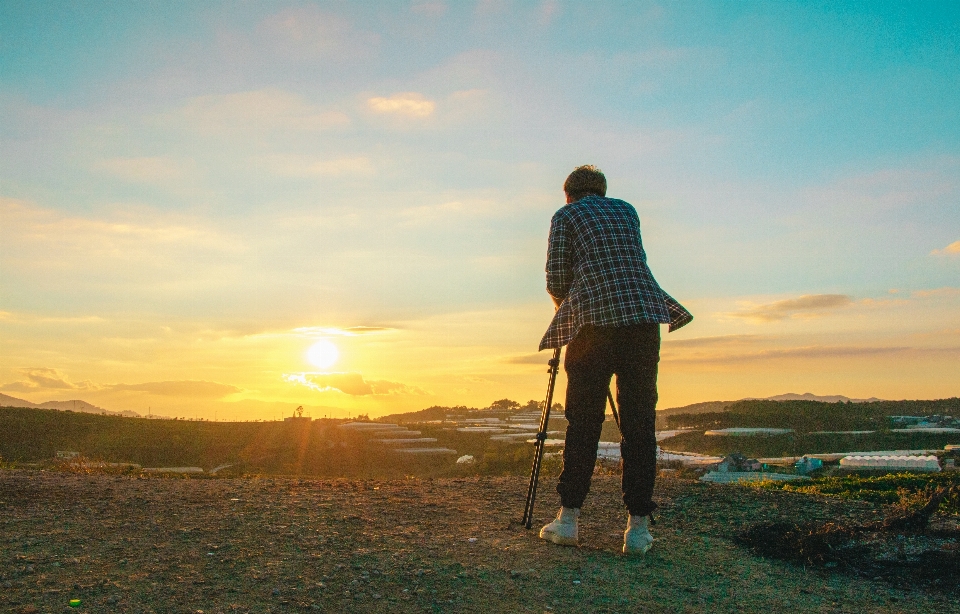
(323, 354)
(233, 209)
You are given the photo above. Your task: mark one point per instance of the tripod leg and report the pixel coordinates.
(541, 441)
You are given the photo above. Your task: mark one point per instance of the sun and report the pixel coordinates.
(323, 354)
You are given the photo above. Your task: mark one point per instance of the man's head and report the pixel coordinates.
(584, 181)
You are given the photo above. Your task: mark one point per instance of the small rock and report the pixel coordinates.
(275, 592)
(472, 540)
(576, 581)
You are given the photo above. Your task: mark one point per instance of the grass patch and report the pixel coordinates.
(908, 490)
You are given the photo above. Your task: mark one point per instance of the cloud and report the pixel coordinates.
(719, 340)
(29, 318)
(547, 11)
(350, 331)
(429, 9)
(529, 359)
(811, 352)
(808, 305)
(936, 292)
(950, 250)
(124, 245)
(44, 378)
(308, 33)
(410, 104)
(349, 383)
(260, 110)
(181, 388)
(285, 165)
(145, 170)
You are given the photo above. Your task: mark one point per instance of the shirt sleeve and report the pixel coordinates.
(559, 262)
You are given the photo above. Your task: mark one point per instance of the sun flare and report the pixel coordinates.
(323, 354)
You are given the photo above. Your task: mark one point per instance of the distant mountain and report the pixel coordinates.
(75, 405)
(696, 408)
(712, 406)
(807, 396)
(8, 401)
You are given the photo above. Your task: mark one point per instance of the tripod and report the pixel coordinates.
(554, 364)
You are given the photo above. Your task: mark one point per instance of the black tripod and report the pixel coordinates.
(554, 364)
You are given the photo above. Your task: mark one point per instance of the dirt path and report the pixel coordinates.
(280, 545)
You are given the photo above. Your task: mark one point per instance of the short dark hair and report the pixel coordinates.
(584, 181)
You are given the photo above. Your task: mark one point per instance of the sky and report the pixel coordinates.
(195, 194)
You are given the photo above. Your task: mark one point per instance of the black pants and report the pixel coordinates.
(593, 357)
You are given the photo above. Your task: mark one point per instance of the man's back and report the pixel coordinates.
(597, 267)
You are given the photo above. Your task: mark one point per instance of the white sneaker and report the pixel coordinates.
(637, 538)
(563, 530)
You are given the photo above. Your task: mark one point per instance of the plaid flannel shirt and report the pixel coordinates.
(597, 267)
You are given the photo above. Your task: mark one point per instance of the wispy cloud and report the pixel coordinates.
(29, 318)
(432, 9)
(45, 378)
(951, 250)
(309, 33)
(331, 331)
(255, 111)
(810, 352)
(410, 104)
(287, 165)
(936, 292)
(719, 340)
(181, 388)
(155, 169)
(352, 384)
(528, 359)
(547, 11)
(808, 305)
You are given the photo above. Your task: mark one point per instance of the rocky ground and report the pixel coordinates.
(127, 544)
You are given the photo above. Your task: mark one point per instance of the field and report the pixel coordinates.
(128, 544)
(809, 420)
(313, 448)
(798, 444)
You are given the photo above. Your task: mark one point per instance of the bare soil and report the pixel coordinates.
(128, 544)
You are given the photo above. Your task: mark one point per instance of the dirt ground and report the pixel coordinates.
(123, 544)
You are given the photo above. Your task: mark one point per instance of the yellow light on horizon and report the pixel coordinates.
(323, 354)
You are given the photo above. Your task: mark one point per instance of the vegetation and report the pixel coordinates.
(904, 489)
(798, 444)
(811, 416)
(297, 447)
(809, 420)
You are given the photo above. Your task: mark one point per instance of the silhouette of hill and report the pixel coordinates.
(72, 405)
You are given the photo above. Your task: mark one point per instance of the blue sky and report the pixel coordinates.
(187, 184)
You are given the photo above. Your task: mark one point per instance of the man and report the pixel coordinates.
(609, 310)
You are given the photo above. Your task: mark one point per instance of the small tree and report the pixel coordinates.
(504, 404)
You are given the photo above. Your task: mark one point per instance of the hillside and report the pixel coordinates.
(74, 405)
(811, 416)
(121, 544)
(815, 424)
(305, 447)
